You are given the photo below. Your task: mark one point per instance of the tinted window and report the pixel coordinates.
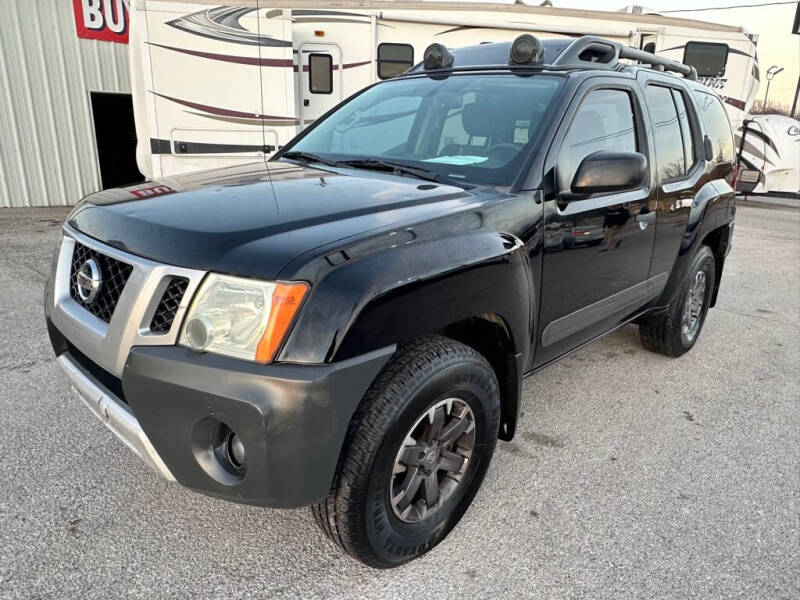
(393, 59)
(666, 131)
(472, 128)
(604, 121)
(709, 59)
(716, 125)
(320, 73)
(686, 129)
(385, 125)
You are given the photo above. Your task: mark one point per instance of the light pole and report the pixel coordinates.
(771, 72)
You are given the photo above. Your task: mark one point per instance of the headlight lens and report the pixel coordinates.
(242, 318)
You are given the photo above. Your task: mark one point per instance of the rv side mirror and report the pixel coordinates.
(603, 171)
(747, 180)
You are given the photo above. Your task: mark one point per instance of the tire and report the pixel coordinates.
(409, 397)
(675, 331)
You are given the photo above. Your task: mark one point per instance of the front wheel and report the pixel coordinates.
(423, 439)
(675, 331)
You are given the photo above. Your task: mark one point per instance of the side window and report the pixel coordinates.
(716, 124)
(708, 58)
(666, 131)
(320, 73)
(686, 130)
(393, 59)
(604, 121)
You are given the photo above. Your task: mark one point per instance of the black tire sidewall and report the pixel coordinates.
(392, 540)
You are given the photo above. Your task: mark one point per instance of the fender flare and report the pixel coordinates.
(712, 208)
(420, 287)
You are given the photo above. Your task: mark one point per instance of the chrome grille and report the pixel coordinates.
(168, 306)
(108, 343)
(114, 273)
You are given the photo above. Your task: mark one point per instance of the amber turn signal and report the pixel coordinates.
(286, 300)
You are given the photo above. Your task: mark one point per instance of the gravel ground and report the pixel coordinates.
(632, 476)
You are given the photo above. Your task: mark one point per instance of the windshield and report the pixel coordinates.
(465, 128)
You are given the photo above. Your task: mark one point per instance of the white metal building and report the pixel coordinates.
(60, 98)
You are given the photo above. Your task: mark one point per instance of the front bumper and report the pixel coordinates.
(292, 419)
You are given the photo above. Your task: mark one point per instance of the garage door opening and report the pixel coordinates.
(115, 134)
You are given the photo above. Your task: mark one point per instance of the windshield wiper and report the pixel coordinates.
(376, 164)
(305, 157)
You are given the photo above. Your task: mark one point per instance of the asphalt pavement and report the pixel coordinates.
(632, 475)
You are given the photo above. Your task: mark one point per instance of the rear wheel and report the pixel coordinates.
(423, 438)
(675, 331)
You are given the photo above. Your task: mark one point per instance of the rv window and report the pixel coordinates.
(715, 122)
(320, 73)
(708, 58)
(393, 59)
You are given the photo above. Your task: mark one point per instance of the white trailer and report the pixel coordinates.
(772, 147)
(219, 85)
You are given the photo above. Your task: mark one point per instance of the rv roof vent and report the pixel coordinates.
(526, 48)
(437, 57)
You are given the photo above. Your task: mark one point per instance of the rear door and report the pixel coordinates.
(597, 251)
(320, 79)
(679, 168)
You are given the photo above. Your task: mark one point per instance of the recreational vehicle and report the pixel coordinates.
(221, 85)
(771, 147)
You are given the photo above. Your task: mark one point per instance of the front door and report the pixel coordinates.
(597, 250)
(320, 80)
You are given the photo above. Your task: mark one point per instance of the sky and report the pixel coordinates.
(772, 21)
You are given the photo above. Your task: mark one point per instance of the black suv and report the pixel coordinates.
(348, 325)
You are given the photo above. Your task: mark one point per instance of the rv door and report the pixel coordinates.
(319, 79)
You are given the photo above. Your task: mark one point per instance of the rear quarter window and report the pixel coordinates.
(716, 124)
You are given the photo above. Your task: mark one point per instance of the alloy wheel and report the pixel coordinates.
(431, 462)
(693, 309)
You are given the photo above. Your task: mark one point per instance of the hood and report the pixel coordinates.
(252, 220)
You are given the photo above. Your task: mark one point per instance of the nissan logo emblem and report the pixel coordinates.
(90, 280)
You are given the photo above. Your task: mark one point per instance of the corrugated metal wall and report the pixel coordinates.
(47, 147)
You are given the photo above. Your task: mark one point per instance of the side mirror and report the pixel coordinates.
(605, 171)
(747, 180)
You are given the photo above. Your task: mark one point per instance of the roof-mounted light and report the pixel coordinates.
(437, 57)
(525, 49)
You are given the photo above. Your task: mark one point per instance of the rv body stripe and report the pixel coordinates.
(762, 136)
(310, 12)
(538, 29)
(223, 112)
(735, 103)
(165, 147)
(223, 24)
(242, 60)
(263, 121)
(249, 60)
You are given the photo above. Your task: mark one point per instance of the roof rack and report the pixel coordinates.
(606, 54)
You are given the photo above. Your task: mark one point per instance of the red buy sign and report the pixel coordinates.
(105, 20)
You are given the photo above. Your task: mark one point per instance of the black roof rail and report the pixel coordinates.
(606, 54)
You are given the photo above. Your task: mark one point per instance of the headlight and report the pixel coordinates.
(243, 318)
